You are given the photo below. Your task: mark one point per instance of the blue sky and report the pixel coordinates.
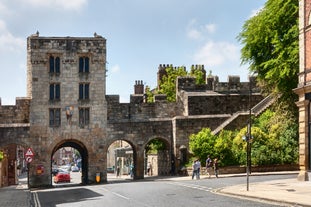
(141, 34)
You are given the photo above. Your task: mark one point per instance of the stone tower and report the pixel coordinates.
(304, 89)
(66, 81)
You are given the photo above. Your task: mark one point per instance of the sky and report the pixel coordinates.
(141, 35)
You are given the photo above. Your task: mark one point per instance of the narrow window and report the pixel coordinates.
(54, 117)
(54, 64)
(55, 91)
(84, 117)
(84, 91)
(57, 65)
(84, 65)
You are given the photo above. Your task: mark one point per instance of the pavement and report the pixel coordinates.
(285, 192)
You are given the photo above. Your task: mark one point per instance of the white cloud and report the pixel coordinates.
(196, 31)
(217, 53)
(3, 9)
(8, 42)
(61, 4)
(211, 28)
(115, 69)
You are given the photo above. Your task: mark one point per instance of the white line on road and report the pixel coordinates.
(117, 194)
(198, 187)
(36, 199)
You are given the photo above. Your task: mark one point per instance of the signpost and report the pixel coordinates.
(29, 157)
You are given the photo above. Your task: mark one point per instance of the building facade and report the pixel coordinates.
(304, 89)
(67, 106)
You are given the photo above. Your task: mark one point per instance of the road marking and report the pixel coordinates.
(117, 194)
(198, 187)
(36, 199)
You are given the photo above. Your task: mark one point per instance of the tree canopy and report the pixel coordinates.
(270, 41)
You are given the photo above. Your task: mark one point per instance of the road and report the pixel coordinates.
(148, 192)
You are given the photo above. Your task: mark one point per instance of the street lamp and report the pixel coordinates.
(249, 136)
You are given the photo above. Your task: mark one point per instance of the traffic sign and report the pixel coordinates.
(28, 159)
(29, 153)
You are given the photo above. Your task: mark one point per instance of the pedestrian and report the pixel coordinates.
(216, 169)
(173, 167)
(194, 169)
(208, 166)
(131, 170)
(118, 171)
(149, 170)
(198, 163)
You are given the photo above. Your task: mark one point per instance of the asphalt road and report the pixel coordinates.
(147, 193)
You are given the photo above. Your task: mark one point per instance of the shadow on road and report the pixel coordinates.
(66, 196)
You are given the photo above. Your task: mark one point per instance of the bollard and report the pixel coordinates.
(98, 177)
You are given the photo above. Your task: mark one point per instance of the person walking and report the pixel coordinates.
(216, 169)
(194, 169)
(208, 166)
(198, 163)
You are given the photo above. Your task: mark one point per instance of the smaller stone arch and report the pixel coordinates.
(78, 145)
(159, 163)
(127, 153)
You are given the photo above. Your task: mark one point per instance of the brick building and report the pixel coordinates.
(67, 106)
(304, 89)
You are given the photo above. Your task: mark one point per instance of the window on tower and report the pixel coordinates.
(54, 114)
(84, 117)
(84, 65)
(54, 91)
(54, 64)
(84, 91)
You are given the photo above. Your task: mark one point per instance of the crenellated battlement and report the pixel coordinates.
(233, 85)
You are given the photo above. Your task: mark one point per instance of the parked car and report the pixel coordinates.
(54, 171)
(74, 169)
(62, 176)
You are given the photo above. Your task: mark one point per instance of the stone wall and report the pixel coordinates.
(18, 113)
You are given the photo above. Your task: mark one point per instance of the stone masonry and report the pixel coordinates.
(67, 105)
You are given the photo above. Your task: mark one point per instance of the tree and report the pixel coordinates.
(270, 41)
(168, 82)
(202, 144)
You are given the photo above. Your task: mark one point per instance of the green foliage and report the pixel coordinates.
(168, 82)
(198, 74)
(202, 144)
(223, 148)
(1, 155)
(150, 95)
(270, 42)
(275, 141)
(154, 146)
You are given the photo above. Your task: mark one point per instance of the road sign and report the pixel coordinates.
(28, 159)
(29, 153)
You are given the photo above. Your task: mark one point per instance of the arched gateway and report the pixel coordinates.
(67, 106)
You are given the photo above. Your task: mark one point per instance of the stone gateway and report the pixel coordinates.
(67, 106)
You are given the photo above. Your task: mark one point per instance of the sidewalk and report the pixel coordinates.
(16, 195)
(287, 191)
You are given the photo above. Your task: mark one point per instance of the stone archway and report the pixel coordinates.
(158, 161)
(83, 152)
(121, 160)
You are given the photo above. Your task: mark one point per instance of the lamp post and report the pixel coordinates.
(249, 137)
